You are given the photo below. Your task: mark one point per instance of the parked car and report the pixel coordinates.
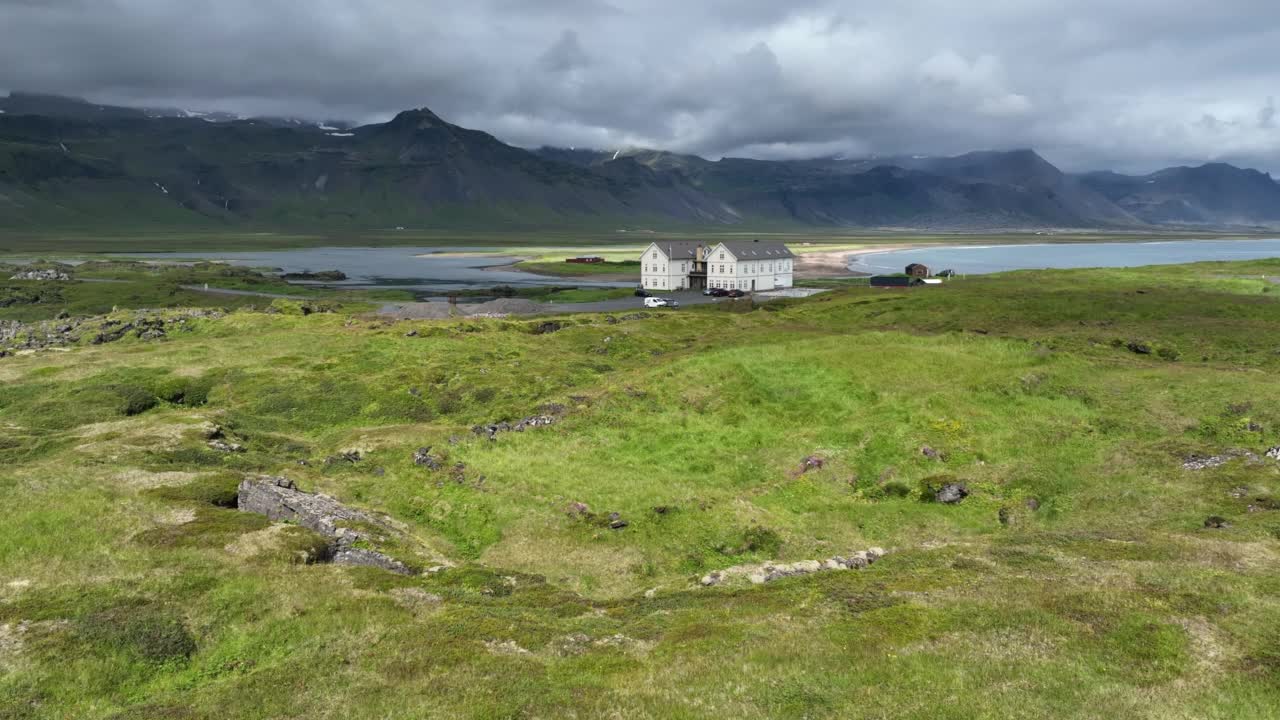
(715, 292)
(735, 293)
(658, 302)
(641, 292)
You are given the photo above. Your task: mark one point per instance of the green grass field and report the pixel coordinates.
(129, 590)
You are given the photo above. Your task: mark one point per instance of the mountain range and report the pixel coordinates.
(65, 162)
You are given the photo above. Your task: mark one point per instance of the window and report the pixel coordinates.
(721, 254)
(655, 254)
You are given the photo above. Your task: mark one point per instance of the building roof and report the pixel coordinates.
(685, 250)
(757, 249)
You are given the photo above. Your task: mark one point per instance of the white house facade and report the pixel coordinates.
(671, 266)
(750, 265)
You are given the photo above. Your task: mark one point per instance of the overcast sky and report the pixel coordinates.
(1131, 85)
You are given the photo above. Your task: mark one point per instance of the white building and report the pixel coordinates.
(745, 265)
(673, 266)
(750, 265)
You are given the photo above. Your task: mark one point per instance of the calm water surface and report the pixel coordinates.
(977, 259)
(421, 268)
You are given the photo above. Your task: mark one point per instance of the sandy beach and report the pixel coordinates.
(835, 263)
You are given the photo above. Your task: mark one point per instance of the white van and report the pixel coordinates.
(657, 302)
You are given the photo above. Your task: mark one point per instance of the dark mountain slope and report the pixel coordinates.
(415, 169)
(1214, 194)
(67, 162)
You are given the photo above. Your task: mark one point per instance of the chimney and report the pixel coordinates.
(699, 254)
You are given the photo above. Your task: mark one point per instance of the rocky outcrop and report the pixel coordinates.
(768, 572)
(64, 331)
(278, 499)
(46, 275)
(1205, 462)
(422, 457)
(533, 421)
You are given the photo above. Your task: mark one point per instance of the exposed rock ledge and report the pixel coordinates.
(768, 572)
(279, 500)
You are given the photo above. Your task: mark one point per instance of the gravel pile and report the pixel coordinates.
(504, 306)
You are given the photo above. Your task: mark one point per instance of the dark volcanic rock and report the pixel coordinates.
(1213, 521)
(547, 328)
(533, 421)
(349, 456)
(1139, 348)
(423, 458)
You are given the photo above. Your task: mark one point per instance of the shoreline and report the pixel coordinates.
(827, 264)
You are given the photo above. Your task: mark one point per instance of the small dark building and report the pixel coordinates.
(585, 260)
(917, 270)
(887, 281)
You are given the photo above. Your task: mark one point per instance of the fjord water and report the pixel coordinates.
(412, 268)
(979, 259)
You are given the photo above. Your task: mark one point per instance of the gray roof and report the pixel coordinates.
(757, 249)
(681, 250)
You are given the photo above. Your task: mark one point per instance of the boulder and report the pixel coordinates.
(951, 493)
(1216, 522)
(1273, 453)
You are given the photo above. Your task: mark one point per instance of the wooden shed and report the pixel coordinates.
(917, 270)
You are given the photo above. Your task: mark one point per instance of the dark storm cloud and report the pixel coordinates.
(1093, 83)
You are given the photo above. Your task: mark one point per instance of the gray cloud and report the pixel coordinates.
(1133, 85)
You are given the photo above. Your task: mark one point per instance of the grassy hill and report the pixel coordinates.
(1077, 580)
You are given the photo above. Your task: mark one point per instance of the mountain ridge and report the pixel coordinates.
(65, 161)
